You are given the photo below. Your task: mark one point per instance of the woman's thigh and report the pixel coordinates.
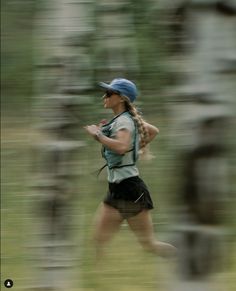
(141, 225)
(107, 222)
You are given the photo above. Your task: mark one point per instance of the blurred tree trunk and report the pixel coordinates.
(203, 60)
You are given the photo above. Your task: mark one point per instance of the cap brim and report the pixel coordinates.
(104, 85)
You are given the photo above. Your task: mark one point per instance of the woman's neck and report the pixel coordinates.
(119, 109)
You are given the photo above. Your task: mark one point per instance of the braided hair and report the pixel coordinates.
(143, 133)
(139, 121)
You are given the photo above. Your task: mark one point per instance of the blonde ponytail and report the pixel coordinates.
(143, 133)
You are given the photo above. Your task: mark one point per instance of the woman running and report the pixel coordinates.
(128, 198)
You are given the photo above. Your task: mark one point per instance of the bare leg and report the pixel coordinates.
(141, 225)
(107, 223)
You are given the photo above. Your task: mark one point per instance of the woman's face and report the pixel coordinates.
(112, 100)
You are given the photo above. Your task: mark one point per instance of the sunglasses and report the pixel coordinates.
(109, 93)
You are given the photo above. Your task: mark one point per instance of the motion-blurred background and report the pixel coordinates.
(182, 56)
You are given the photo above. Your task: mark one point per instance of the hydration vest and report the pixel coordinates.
(113, 159)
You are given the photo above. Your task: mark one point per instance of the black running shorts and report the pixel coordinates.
(129, 197)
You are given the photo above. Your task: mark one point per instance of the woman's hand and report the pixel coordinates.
(102, 122)
(93, 130)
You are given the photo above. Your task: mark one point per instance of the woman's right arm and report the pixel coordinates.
(119, 144)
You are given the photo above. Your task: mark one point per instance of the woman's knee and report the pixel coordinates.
(147, 243)
(101, 236)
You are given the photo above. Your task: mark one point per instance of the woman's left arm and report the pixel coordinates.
(152, 131)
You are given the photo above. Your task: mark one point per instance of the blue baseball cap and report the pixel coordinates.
(122, 86)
